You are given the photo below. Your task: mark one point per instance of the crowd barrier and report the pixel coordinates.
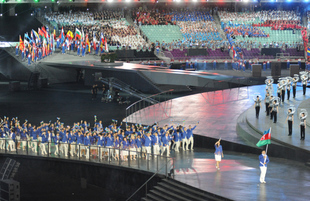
(131, 158)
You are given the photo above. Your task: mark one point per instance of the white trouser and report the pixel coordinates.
(148, 152)
(109, 151)
(133, 151)
(87, 151)
(263, 170)
(183, 143)
(64, 148)
(23, 144)
(156, 149)
(2, 144)
(34, 146)
(190, 141)
(166, 148)
(11, 145)
(81, 147)
(73, 148)
(43, 149)
(56, 149)
(177, 146)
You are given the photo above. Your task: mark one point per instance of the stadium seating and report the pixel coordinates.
(160, 33)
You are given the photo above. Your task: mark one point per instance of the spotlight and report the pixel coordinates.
(110, 1)
(0, 14)
(15, 14)
(194, 0)
(127, 0)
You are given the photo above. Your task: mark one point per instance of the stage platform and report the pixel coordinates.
(238, 177)
(218, 115)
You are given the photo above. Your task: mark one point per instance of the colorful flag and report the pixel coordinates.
(69, 35)
(41, 33)
(265, 139)
(94, 41)
(27, 38)
(106, 49)
(78, 34)
(101, 38)
(54, 36)
(21, 43)
(87, 42)
(308, 51)
(62, 35)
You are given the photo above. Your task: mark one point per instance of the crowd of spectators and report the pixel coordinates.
(248, 25)
(151, 17)
(245, 17)
(278, 15)
(85, 18)
(191, 16)
(246, 30)
(111, 24)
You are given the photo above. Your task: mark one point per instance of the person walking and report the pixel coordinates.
(290, 120)
(218, 153)
(263, 161)
(257, 106)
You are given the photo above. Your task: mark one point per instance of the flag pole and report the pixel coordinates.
(267, 144)
(266, 150)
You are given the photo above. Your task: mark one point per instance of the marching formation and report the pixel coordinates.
(272, 102)
(83, 140)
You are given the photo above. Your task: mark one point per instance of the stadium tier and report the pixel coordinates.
(162, 33)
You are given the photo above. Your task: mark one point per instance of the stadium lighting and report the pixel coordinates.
(0, 14)
(194, 0)
(177, 0)
(127, 0)
(110, 1)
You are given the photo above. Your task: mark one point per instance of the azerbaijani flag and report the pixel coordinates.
(265, 139)
(78, 34)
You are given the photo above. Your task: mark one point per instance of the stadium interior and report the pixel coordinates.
(115, 71)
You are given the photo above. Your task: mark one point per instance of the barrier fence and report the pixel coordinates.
(135, 158)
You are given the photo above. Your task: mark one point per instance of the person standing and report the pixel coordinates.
(302, 125)
(274, 111)
(279, 90)
(270, 107)
(283, 90)
(290, 120)
(263, 161)
(288, 89)
(304, 85)
(257, 106)
(295, 80)
(218, 153)
(190, 137)
(267, 99)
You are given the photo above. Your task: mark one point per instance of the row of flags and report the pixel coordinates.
(43, 38)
